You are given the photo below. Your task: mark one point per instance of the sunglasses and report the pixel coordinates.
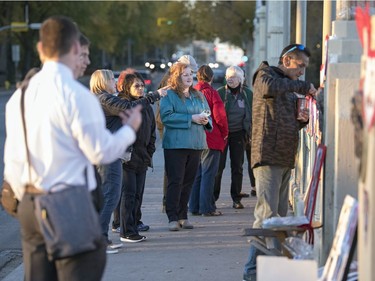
(299, 47)
(138, 86)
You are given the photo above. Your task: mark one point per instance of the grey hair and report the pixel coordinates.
(236, 70)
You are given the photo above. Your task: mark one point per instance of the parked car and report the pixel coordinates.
(156, 65)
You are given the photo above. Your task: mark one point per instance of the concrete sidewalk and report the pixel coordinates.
(214, 250)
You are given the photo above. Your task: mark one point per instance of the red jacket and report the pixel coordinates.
(216, 139)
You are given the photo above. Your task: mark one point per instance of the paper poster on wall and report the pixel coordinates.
(366, 27)
(323, 66)
(369, 93)
(339, 256)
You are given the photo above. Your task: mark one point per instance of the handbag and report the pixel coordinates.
(66, 215)
(8, 199)
(68, 221)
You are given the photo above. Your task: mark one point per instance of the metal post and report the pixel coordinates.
(27, 12)
(301, 169)
(328, 16)
(301, 22)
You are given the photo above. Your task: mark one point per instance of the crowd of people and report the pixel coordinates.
(198, 124)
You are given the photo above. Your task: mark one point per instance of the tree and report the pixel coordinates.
(118, 29)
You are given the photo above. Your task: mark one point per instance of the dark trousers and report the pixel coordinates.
(165, 184)
(249, 170)
(116, 215)
(181, 166)
(236, 146)
(133, 186)
(87, 266)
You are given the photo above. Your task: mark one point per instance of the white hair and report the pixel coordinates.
(237, 71)
(187, 59)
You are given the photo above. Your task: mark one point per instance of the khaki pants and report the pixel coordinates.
(272, 186)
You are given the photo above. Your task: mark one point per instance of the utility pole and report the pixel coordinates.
(26, 12)
(301, 22)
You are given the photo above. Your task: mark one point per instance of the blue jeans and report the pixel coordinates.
(111, 175)
(251, 264)
(272, 184)
(202, 195)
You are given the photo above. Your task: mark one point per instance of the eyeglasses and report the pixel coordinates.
(299, 47)
(138, 86)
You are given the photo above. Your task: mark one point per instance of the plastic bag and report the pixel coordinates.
(284, 221)
(299, 249)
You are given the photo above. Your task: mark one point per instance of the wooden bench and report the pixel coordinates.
(270, 241)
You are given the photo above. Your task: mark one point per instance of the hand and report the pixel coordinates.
(304, 115)
(163, 91)
(319, 91)
(132, 117)
(205, 121)
(313, 92)
(199, 119)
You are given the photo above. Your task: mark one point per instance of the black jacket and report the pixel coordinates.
(144, 145)
(112, 105)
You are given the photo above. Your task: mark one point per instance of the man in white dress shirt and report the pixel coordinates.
(66, 134)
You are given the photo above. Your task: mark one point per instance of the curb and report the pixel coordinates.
(16, 274)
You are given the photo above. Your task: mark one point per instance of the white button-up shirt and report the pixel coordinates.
(66, 133)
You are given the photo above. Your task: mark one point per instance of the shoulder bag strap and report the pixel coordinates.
(24, 130)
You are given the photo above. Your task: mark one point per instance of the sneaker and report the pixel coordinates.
(109, 250)
(142, 227)
(185, 224)
(115, 245)
(174, 226)
(195, 214)
(112, 248)
(116, 230)
(134, 238)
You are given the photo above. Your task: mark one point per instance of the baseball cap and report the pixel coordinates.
(190, 61)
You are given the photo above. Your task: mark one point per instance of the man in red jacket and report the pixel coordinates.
(202, 199)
